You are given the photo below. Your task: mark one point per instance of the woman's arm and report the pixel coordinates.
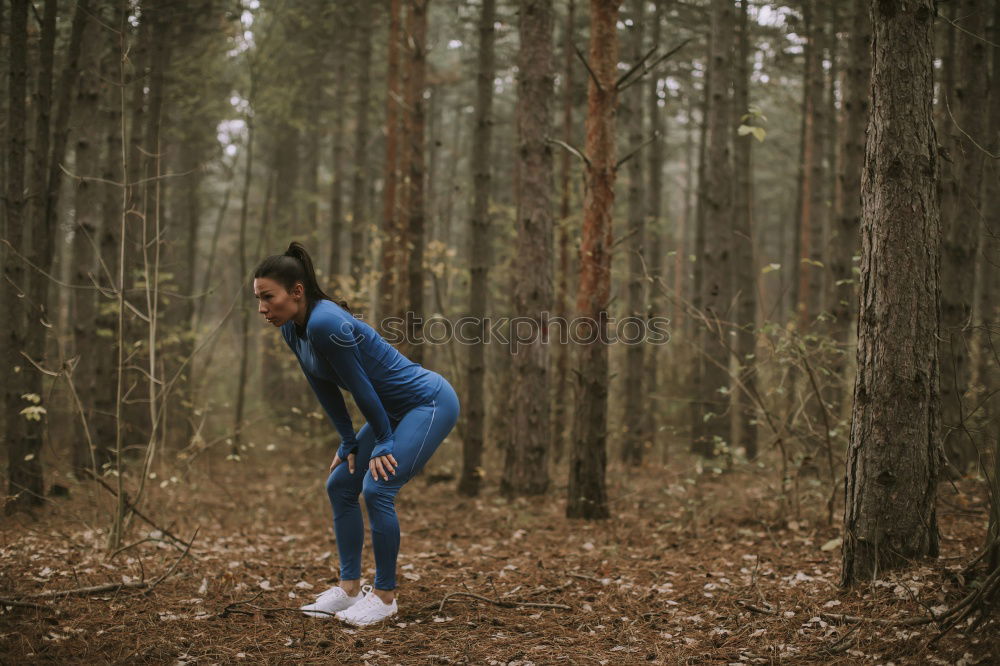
(332, 399)
(337, 344)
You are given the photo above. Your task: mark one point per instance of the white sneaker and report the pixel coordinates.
(369, 610)
(330, 601)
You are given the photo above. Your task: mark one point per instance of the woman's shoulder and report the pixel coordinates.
(329, 320)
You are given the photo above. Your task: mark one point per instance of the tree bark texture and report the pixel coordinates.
(587, 489)
(526, 461)
(894, 449)
(479, 255)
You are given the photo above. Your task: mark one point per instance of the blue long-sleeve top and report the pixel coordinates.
(337, 350)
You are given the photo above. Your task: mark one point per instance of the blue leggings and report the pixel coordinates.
(417, 436)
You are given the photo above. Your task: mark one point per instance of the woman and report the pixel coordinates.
(409, 410)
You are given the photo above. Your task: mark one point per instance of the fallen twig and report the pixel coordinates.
(852, 619)
(136, 511)
(176, 562)
(25, 604)
(107, 587)
(755, 609)
(230, 607)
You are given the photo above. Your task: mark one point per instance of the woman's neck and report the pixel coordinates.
(302, 317)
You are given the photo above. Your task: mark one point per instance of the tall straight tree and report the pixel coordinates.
(86, 223)
(700, 443)
(479, 254)
(414, 240)
(24, 469)
(961, 180)
(635, 436)
(744, 270)
(654, 211)
(564, 352)
(587, 495)
(717, 197)
(811, 197)
(389, 276)
(894, 451)
(359, 214)
(525, 466)
(989, 287)
(844, 245)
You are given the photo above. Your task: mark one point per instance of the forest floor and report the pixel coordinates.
(689, 570)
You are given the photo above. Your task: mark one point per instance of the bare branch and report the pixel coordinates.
(571, 149)
(652, 65)
(593, 77)
(633, 68)
(637, 149)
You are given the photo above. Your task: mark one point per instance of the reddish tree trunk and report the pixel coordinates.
(587, 491)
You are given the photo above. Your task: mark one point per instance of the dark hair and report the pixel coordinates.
(295, 265)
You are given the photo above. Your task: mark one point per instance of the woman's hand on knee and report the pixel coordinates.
(337, 460)
(383, 465)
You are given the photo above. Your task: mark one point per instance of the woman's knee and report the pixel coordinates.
(341, 484)
(378, 495)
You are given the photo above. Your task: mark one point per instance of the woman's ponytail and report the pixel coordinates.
(288, 272)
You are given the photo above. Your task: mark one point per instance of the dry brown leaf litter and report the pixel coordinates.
(685, 573)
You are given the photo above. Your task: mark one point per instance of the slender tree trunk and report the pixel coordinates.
(635, 437)
(526, 463)
(339, 114)
(960, 186)
(989, 295)
(560, 397)
(244, 323)
(811, 221)
(87, 224)
(415, 238)
(745, 271)
(24, 468)
(479, 256)
(717, 197)
(359, 213)
(696, 329)
(893, 458)
(844, 243)
(654, 212)
(107, 428)
(587, 490)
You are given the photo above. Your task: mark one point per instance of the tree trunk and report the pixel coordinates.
(339, 114)
(86, 225)
(844, 243)
(812, 196)
(359, 213)
(695, 328)
(526, 462)
(107, 428)
(635, 437)
(479, 256)
(894, 452)
(654, 212)
(24, 469)
(744, 267)
(560, 393)
(989, 298)
(414, 239)
(717, 198)
(587, 491)
(960, 186)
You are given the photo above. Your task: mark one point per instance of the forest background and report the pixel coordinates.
(699, 162)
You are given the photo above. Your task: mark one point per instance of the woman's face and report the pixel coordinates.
(276, 303)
